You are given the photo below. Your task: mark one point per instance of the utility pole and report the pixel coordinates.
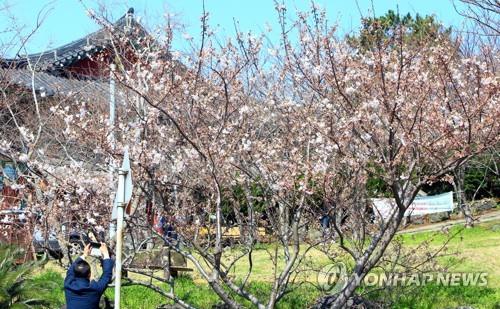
(112, 108)
(112, 104)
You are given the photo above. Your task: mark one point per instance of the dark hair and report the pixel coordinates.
(82, 269)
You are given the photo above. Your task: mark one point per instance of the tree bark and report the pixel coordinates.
(369, 259)
(464, 207)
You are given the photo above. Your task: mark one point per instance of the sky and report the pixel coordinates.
(67, 20)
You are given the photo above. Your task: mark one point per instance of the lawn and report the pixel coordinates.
(474, 250)
(478, 249)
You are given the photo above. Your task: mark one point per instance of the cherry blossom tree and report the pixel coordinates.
(238, 133)
(308, 128)
(410, 116)
(202, 136)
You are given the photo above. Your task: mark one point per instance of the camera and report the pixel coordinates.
(94, 249)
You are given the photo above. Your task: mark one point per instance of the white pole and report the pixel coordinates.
(112, 108)
(119, 240)
(112, 103)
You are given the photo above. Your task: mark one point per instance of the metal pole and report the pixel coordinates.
(112, 105)
(119, 240)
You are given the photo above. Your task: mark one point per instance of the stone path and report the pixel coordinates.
(489, 216)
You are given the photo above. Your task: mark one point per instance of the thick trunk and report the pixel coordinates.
(469, 219)
(369, 259)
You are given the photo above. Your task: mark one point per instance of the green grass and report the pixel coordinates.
(483, 235)
(198, 295)
(471, 250)
(435, 296)
(475, 250)
(53, 284)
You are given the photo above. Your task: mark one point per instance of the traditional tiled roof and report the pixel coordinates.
(65, 55)
(49, 85)
(44, 76)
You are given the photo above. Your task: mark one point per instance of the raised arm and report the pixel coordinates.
(107, 269)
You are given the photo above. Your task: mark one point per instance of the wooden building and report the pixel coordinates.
(78, 70)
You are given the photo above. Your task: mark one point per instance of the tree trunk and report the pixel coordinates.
(369, 259)
(464, 207)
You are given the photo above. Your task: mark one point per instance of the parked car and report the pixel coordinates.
(50, 245)
(16, 228)
(77, 235)
(21, 228)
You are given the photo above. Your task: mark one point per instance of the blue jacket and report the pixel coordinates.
(81, 292)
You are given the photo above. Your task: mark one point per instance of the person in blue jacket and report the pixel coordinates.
(80, 291)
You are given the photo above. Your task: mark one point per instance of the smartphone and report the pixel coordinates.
(94, 249)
